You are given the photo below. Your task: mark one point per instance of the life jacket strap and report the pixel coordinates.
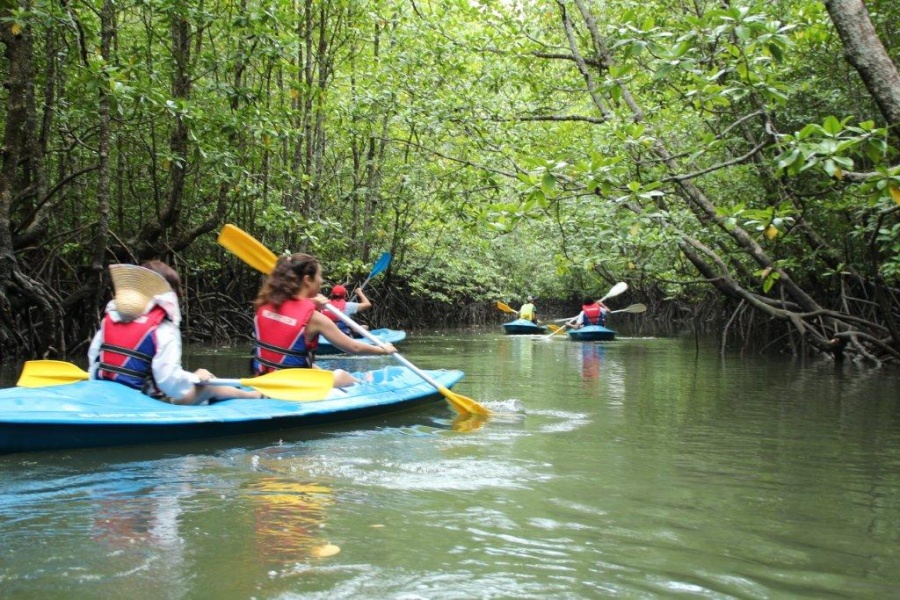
(126, 351)
(280, 350)
(121, 370)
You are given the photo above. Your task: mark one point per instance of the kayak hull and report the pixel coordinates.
(103, 413)
(592, 333)
(386, 336)
(523, 327)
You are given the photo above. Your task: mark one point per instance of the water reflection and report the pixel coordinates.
(288, 517)
(130, 512)
(642, 468)
(591, 360)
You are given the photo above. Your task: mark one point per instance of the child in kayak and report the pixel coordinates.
(139, 340)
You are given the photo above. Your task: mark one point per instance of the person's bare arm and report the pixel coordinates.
(362, 301)
(319, 324)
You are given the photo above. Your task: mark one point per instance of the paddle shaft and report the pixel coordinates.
(366, 334)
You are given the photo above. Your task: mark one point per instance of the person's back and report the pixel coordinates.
(528, 311)
(594, 313)
(280, 334)
(138, 343)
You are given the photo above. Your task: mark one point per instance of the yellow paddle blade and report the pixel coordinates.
(43, 373)
(468, 423)
(303, 385)
(554, 328)
(506, 308)
(462, 404)
(247, 248)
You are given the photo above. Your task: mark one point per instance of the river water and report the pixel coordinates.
(645, 467)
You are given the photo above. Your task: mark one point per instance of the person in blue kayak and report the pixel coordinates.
(593, 312)
(339, 301)
(528, 311)
(288, 323)
(139, 340)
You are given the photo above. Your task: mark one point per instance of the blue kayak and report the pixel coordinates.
(523, 327)
(592, 333)
(387, 336)
(105, 413)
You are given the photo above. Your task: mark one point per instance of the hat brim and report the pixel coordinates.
(135, 288)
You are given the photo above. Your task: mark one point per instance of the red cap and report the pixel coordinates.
(338, 291)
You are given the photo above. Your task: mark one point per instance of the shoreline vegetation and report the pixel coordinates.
(737, 165)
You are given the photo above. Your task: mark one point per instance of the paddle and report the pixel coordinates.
(613, 291)
(506, 308)
(287, 384)
(634, 308)
(380, 265)
(252, 252)
(460, 403)
(555, 331)
(247, 248)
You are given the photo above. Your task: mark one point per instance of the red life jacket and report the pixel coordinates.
(593, 314)
(281, 336)
(127, 349)
(339, 304)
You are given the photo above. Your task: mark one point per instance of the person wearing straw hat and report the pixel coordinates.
(287, 324)
(139, 340)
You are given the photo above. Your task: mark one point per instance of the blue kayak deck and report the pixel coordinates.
(523, 327)
(592, 333)
(103, 413)
(387, 336)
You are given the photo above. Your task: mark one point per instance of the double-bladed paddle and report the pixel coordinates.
(633, 308)
(613, 291)
(251, 251)
(302, 385)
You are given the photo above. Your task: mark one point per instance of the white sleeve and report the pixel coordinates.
(94, 353)
(579, 320)
(351, 308)
(171, 379)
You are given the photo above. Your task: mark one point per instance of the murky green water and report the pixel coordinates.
(639, 468)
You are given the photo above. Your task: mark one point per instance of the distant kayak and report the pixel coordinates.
(104, 413)
(523, 327)
(592, 333)
(386, 336)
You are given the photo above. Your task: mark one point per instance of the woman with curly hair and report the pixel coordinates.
(288, 323)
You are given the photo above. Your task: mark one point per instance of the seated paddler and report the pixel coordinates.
(139, 340)
(288, 321)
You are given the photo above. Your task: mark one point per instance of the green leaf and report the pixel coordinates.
(548, 183)
(832, 125)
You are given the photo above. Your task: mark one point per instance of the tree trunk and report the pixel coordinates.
(18, 292)
(866, 53)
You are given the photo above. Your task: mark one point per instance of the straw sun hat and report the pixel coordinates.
(135, 287)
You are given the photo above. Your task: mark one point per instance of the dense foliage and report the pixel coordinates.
(496, 148)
